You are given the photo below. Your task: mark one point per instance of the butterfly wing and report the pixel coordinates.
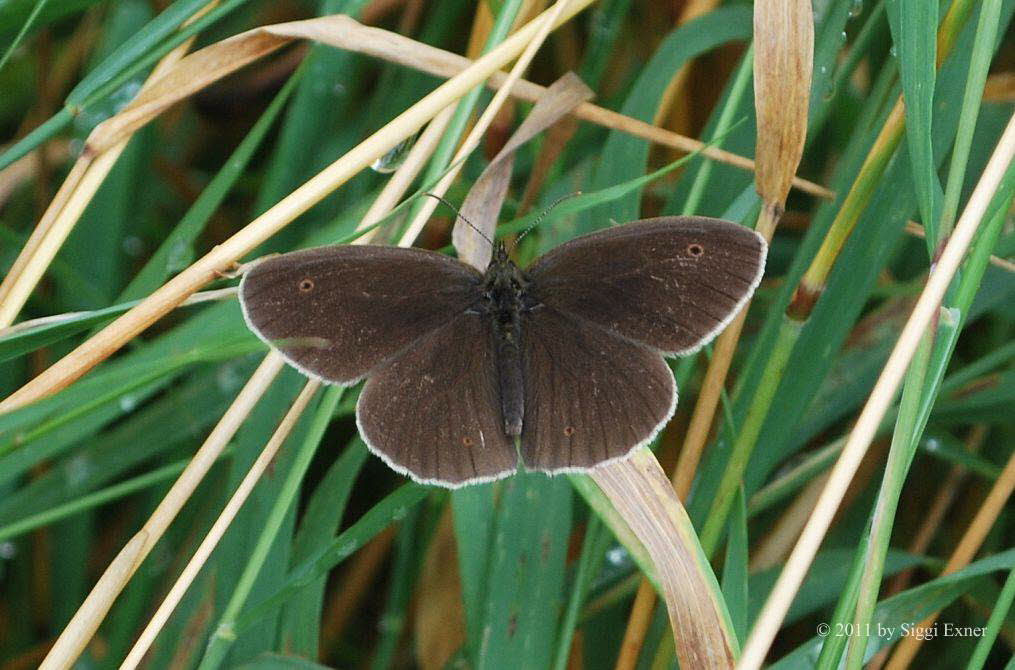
(590, 396)
(671, 283)
(337, 312)
(433, 411)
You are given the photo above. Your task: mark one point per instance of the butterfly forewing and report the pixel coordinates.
(338, 312)
(433, 411)
(590, 396)
(671, 283)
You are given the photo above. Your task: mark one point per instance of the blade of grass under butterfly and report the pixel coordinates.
(526, 573)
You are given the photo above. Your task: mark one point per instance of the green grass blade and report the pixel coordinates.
(914, 26)
(526, 578)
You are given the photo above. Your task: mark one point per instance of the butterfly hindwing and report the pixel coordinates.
(338, 312)
(433, 411)
(590, 396)
(671, 283)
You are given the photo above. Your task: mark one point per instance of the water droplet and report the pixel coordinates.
(133, 245)
(855, 9)
(8, 550)
(178, 257)
(227, 378)
(76, 471)
(617, 556)
(932, 444)
(127, 403)
(893, 52)
(823, 70)
(392, 160)
(843, 37)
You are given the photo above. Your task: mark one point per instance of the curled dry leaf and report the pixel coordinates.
(783, 59)
(643, 495)
(486, 197)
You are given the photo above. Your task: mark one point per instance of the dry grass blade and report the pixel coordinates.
(970, 543)
(219, 528)
(771, 616)
(642, 493)
(783, 60)
(88, 617)
(118, 333)
(72, 198)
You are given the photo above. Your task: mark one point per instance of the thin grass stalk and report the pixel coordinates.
(997, 617)
(812, 285)
(979, 67)
(931, 522)
(900, 457)
(771, 550)
(92, 500)
(221, 525)
(968, 546)
(482, 124)
(722, 126)
(112, 337)
(593, 546)
(831, 648)
(86, 620)
(775, 608)
(59, 219)
(34, 14)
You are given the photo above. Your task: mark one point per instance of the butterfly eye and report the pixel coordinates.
(569, 431)
(306, 285)
(467, 441)
(695, 250)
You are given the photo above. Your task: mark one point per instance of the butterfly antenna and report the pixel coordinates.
(545, 212)
(459, 215)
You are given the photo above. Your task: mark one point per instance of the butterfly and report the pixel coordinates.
(559, 365)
